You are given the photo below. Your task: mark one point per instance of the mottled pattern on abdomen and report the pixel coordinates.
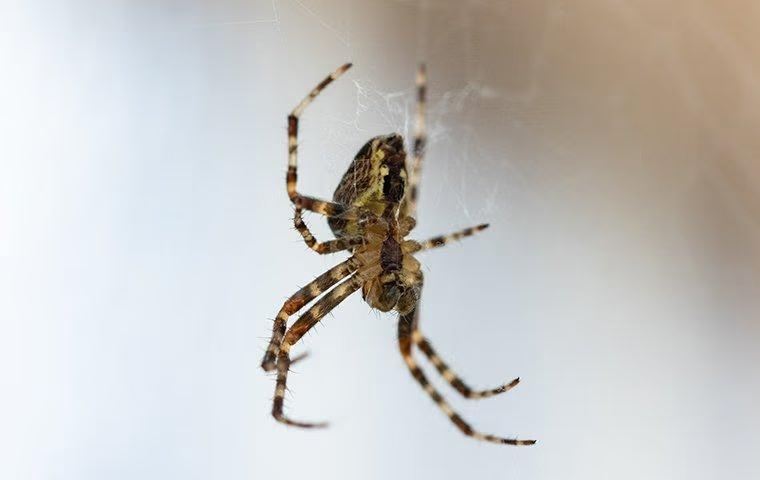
(355, 183)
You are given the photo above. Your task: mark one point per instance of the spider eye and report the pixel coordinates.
(384, 170)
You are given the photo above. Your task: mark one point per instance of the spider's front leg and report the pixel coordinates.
(427, 348)
(297, 301)
(407, 327)
(310, 318)
(452, 378)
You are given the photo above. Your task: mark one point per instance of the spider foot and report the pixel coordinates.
(293, 423)
(502, 440)
(496, 391)
(476, 394)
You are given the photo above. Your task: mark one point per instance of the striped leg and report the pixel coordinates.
(406, 327)
(330, 246)
(310, 318)
(409, 207)
(297, 302)
(442, 240)
(309, 203)
(456, 382)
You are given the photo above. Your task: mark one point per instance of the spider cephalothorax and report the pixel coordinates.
(371, 214)
(391, 275)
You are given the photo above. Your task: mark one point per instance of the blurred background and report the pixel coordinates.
(146, 239)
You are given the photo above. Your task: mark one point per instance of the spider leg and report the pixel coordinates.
(309, 203)
(406, 326)
(303, 202)
(310, 318)
(425, 345)
(297, 301)
(330, 246)
(442, 240)
(409, 206)
(448, 375)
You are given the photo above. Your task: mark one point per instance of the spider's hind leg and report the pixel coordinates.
(310, 318)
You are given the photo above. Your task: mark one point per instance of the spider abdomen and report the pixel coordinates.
(376, 177)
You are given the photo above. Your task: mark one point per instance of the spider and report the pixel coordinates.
(372, 212)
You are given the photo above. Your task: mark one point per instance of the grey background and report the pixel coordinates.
(146, 239)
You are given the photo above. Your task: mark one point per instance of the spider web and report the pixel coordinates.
(471, 56)
(460, 157)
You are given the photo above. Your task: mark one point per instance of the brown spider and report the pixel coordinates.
(371, 214)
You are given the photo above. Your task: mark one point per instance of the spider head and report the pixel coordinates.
(383, 292)
(389, 291)
(387, 159)
(397, 286)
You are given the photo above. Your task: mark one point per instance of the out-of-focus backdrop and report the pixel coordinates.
(146, 238)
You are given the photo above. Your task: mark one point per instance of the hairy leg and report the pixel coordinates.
(448, 375)
(310, 318)
(304, 202)
(409, 206)
(308, 203)
(330, 246)
(406, 326)
(297, 301)
(441, 240)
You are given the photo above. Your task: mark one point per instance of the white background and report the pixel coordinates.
(146, 239)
